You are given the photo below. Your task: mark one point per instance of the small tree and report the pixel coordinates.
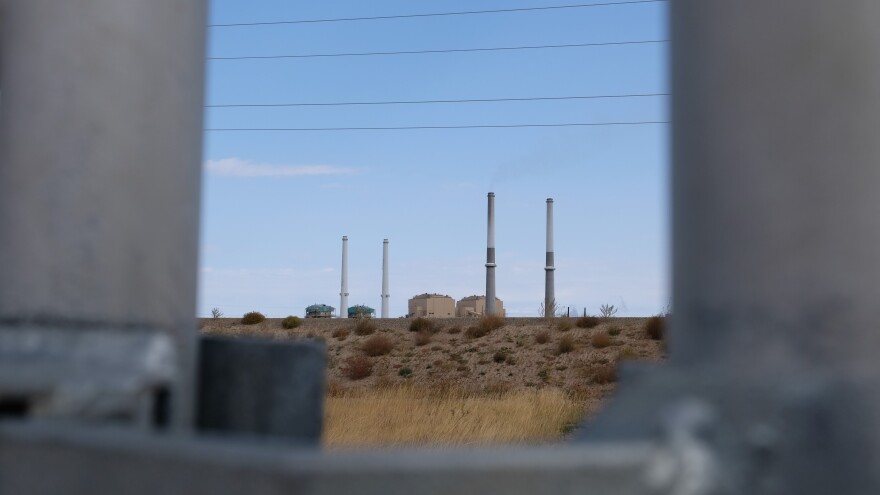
(216, 313)
(607, 311)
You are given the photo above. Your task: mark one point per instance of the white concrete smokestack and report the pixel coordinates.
(490, 258)
(385, 294)
(343, 294)
(549, 267)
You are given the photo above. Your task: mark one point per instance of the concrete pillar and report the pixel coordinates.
(776, 224)
(343, 293)
(490, 258)
(549, 267)
(100, 146)
(385, 295)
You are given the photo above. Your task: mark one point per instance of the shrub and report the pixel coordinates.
(655, 327)
(475, 332)
(601, 340)
(422, 338)
(357, 367)
(604, 374)
(626, 353)
(253, 318)
(500, 356)
(377, 345)
(607, 311)
(588, 322)
(364, 327)
(340, 333)
(291, 322)
(405, 372)
(564, 324)
(542, 337)
(491, 322)
(566, 344)
(421, 325)
(454, 329)
(614, 330)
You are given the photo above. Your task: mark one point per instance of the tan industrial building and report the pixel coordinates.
(476, 306)
(431, 306)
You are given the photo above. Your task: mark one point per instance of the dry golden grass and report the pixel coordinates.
(408, 416)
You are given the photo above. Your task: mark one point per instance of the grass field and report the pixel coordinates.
(415, 416)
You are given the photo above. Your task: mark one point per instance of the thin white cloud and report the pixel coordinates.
(236, 167)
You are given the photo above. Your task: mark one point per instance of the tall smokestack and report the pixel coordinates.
(549, 267)
(343, 294)
(490, 258)
(385, 294)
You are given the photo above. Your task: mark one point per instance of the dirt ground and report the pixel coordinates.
(506, 358)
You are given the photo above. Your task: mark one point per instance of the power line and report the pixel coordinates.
(454, 50)
(407, 128)
(437, 14)
(422, 102)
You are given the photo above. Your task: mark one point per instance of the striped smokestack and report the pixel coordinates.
(549, 267)
(385, 294)
(343, 294)
(490, 258)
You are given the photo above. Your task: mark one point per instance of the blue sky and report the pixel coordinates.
(275, 205)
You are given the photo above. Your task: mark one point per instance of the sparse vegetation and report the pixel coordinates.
(614, 330)
(291, 322)
(454, 329)
(626, 354)
(655, 327)
(252, 318)
(340, 333)
(357, 367)
(600, 340)
(588, 322)
(566, 344)
(475, 332)
(377, 345)
(421, 325)
(364, 326)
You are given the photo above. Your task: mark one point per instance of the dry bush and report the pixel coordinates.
(601, 340)
(542, 337)
(364, 327)
(614, 330)
(604, 374)
(655, 327)
(377, 345)
(357, 367)
(422, 338)
(500, 356)
(588, 322)
(340, 333)
(626, 354)
(252, 318)
(564, 324)
(454, 329)
(475, 332)
(421, 325)
(291, 322)
(491, 322)
(566, 344)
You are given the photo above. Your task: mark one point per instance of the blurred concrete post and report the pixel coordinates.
(776, 173)
(100, 146)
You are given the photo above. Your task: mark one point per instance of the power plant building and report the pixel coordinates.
(361, 311)
(431, 306)
(476, 306)
(319, 311)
